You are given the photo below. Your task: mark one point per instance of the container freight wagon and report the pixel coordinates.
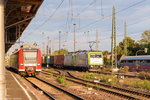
(59, 60)
(43, 61)
(69, 60)
(27, 60)
(47, 61)
(52, 60)
(81, 60)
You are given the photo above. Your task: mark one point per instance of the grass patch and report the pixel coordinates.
(107, 69)
(109, 79)
(124, 69)
(49, 76)
(144, 75)
(62, 80)
(87, 85)
(96, 86)
(143, 84)
(51, 69)
(89, 75)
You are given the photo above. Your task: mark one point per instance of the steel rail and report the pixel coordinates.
(127, 75)
(102, 89)
(46, 93)
(71, 94)
(114, 87)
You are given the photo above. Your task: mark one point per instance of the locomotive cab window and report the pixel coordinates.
(95, 56)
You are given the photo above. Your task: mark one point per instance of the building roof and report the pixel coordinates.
(144, 57)
(18, 14)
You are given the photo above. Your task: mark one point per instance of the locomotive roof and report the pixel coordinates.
(144, 57)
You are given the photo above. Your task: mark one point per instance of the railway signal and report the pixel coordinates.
(145, 50)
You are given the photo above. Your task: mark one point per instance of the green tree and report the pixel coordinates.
(130, 46)
(133, 46)
(119, 50)
(105, 57)
(145, 37)
(60, 52)
(145, 42)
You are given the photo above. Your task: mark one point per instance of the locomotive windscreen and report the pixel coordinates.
(30, 56)
(96, 56)
(95, 59)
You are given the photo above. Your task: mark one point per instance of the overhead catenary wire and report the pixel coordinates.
(42, 24)
(128, 25)
(71, 13)
(100, 18)
(128, 7)
(109, 16)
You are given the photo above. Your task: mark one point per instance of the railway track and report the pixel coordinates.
(121, 74)
(37, 87)
(53, 96)
(125, 93)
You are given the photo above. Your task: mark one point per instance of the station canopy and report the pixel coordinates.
(18, 14)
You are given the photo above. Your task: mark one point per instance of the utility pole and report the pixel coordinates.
(125, 41)
(113, 43)
(59, 39)
(74, 37)
(43, 43)
(48, 45)
(2, 52)
(97, 42)
(43, 48)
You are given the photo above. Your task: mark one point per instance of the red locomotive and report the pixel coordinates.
(27, 60)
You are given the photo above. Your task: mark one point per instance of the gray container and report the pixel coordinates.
(68, 61)
(81, 59)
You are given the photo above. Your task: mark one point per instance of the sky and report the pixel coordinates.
(89, 16)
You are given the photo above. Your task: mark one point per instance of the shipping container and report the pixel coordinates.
(68, 61)
(52, 60)
(43, 61)
(59, 60)
(81, 59)
(47, 60)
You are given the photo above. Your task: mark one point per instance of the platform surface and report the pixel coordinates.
(13, 89)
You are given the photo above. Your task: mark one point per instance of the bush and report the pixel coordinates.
(143, 84)
(50, 70)
(109, 79)
(144, 75)
(124, 69)
(89, 75)
(108, 69)
(62, 80)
